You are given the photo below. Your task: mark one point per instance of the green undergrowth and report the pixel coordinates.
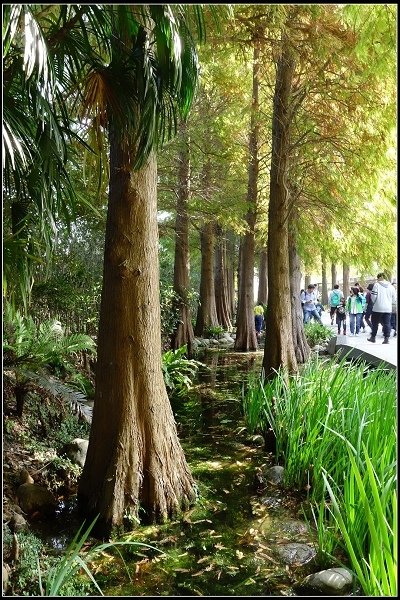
(212, 549)
(335, 429)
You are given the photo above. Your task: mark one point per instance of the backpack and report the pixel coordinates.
(335, 298)
(341, 309)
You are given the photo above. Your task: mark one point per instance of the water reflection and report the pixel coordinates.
(222, 545)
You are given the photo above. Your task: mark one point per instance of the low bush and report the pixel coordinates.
(317, 334)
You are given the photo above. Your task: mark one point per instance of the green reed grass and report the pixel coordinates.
(318, 417)
(366, 513)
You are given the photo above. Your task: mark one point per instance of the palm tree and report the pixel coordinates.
(132, 70)
(37, 143)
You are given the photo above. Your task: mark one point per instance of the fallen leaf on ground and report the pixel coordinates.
(180, 570)
(220, 547)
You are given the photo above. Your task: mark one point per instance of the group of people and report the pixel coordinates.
(377, 306)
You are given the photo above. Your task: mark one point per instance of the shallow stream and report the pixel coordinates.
(230, 543)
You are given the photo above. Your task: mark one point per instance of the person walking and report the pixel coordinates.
(259, 318)
(334, 299)
(309, 301)
(341, 315)
(393, 317)
(368, 305)
(383, 296)
(355, 308)
(362, 323)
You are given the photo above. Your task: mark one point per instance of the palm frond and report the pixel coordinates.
(43, 345)
(77, 400)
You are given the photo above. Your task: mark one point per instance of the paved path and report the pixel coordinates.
(371, 353)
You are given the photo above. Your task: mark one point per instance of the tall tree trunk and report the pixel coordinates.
(230, 273)
(246, 334)
(324, 295)
(238, 275)
(334, 275)
(279, 351)
(263, 277)
(301, 347)
(221, 284)
(134, 457)
(183, 334)
(346, 280)
(207, 311)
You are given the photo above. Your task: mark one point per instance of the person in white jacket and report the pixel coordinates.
(383, 295)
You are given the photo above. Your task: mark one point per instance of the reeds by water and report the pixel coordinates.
(335, 426)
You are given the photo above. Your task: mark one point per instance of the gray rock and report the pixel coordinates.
(274, 474)
(318, 348)
(331, 582)
(76, 451)
(6, 573)
(271, 501)
(294, 527)
(226, 343)
(257, 440)
(295, 553)
(332, 345)
(18, 523)
(226, 336)
(35, 498)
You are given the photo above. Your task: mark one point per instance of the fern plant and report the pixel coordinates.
(32, 351)
(179, 371)
(214, 331)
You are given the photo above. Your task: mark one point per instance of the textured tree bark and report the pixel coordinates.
(279, 346)
(324, 294)
(301, 347)
(334, 275)
(221, 283)
(207, 311)
(134, 457)
(263, 277)
(246, 339)
(346, 280)
(230, 275)
(183, 334)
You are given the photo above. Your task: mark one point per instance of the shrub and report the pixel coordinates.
(40, 354)
(213, 331)
(317, 334)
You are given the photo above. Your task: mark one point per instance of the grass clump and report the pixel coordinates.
(335, 429)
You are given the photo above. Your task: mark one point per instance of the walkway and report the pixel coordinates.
(359, 347)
